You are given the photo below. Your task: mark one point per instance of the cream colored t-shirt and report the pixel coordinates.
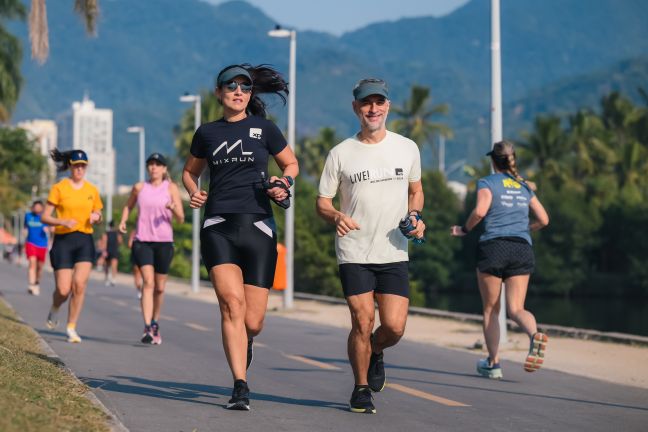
(373, 180)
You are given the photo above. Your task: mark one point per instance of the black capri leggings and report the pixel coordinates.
(247, 240)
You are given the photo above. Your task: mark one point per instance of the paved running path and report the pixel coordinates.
(300, 378)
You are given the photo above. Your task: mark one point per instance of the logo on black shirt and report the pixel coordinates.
(246, 155)
(256, 133)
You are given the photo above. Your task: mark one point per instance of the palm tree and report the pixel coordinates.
(38, 29)
(545, 148)
(10, 58)
(414, 117)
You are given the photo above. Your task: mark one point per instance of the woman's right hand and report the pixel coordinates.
(122, 228)
(198, 199)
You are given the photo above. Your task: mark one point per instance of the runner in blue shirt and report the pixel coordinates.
(35, 246)
(505, 255)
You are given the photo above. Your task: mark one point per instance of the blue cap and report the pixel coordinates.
(370, 86)
(78, 157)
(231, 72)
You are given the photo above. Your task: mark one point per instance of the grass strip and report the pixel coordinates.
(36, 392)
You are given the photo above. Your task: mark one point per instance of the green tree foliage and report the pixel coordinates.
(210, 110)
(21, 168)
(10, 58)
(432, 264)
(312, 152)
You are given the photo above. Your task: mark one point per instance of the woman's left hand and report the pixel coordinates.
(456, 231)
(277, 193)
(95, 217)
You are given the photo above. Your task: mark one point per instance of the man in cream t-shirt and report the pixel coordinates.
(378, 174)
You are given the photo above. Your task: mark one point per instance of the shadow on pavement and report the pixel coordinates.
(391, 366)
(190, 392)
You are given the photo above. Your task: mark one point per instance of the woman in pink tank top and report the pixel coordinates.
(158, 202)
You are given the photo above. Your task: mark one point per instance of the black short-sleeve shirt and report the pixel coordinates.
(237, 153)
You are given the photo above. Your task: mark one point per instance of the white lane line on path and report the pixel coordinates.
(423, 395)
(168, 318)
(197, 326)
(311, 362)
(114, 301)
(260, 345)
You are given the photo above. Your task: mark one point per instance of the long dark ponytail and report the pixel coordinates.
(63, 159)
(265, 80)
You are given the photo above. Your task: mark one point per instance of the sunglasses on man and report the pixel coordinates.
(231, 86)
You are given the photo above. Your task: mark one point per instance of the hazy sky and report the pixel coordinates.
(339, 16)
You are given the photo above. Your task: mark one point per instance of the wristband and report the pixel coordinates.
(290, 180)
(464, 229)
(418, 215)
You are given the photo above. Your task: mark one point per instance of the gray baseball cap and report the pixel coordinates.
(370, 86)
(231, 72)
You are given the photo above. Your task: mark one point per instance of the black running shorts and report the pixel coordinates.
(505, 257)
(391, 278)
(247, 240)
(157, 254)
(69, 249)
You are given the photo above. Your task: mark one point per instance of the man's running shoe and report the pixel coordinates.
(376, 377)
(488, 369)
(361, 400)
(52, 319)
(155, 332)
(535, 358)
(250, 353)
(240, 397)
(147, 337)
(73, 336)
(33, 289)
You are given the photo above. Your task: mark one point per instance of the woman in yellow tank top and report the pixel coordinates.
(78, 207)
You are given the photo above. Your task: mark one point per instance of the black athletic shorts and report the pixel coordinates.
(247, 240)
(505, 257)
(69, 249)
(157, 254)
(390, 278)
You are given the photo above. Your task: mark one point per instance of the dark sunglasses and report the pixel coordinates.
(231, 86)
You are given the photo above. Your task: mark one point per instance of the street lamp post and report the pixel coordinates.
(195, 213)
(142, 138)
(496, 124)
(290, 212)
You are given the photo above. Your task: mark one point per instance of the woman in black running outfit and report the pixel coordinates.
(505, 255)
(238, 237)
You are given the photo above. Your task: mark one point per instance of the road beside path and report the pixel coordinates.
(300, 378)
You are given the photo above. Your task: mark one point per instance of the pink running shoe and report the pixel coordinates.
(155, 331)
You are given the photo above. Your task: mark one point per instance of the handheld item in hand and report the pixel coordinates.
(405, 226)
(277, 183)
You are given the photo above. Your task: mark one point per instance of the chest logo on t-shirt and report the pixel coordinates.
(376, 175)
(245, 155)
(510, 183)
(256, 133)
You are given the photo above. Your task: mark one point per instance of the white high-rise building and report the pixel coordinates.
(45, 134)
(90, 129)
